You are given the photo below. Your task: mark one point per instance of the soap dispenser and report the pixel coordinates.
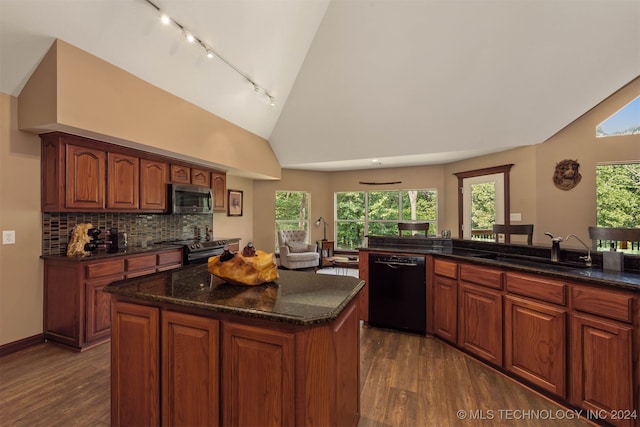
(613, 260)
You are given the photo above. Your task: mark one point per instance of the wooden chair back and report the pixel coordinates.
(413, 226)
(620, 237)
(508, 230)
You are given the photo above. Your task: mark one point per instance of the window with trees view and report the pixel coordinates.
(618, 195)
(292, 212)
(359, 214)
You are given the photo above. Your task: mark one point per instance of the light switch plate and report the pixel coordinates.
(8, 237)
(515, 217)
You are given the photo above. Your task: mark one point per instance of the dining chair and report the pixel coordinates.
(413, 226)
(619, 237)
(509, 230)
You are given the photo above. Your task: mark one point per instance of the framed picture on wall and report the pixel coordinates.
(234, 203)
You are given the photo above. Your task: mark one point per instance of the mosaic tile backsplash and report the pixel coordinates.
(141, 229)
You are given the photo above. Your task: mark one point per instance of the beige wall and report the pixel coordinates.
(533, 193)
(99, 100)
(20, 265)
(564, 212)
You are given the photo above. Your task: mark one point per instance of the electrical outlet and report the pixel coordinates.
(515, 217)
(8, 237)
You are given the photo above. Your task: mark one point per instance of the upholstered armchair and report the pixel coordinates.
(295, 252)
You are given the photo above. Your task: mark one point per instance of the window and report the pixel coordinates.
(378, 212)
(625, 122)
(292, 212)
(618, 195)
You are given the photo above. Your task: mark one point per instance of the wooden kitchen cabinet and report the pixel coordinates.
(535, 343)
(602, 352)
(123, 187)
(76, 311)
(219, 186)
(206, 367)
(200, 177)
(85, 178)
(140, 265)
(190, 370)
(73, 174)
(445, 306)
(74, 305)
(182, 174)
(480, 312)
(258, 376)
(135, 365)
(153, 185)
(535, 331)
(165, 367)
(84, 175)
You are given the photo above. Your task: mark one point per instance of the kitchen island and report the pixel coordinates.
(190, 349)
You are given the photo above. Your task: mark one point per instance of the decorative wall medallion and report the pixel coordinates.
(567, 174)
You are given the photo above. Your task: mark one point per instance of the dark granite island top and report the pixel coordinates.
(190, 349)
(301, 298)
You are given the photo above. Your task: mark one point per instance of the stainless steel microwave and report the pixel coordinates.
(190, 199)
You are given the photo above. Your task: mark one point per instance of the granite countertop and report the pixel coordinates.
(301, 298)
(103, 253)
(571, 271)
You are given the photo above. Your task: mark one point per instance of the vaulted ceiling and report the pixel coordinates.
(357, 83)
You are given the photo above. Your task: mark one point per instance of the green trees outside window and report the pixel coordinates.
(359, 214)
(292, 212)
(618, 195)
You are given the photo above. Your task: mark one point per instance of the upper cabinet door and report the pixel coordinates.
(180, 174)
(122, 188)
(200, 177)
(86, 175)
(219, 186)
(153, 185)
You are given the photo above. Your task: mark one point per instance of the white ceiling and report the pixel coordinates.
(404, 82)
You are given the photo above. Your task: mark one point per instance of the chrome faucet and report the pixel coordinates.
(586, 259)
(555, 247)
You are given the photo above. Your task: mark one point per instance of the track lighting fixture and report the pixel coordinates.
(210, 52)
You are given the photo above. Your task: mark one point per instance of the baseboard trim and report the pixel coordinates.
(22, 344)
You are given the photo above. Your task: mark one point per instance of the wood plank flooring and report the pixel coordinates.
(407, 380)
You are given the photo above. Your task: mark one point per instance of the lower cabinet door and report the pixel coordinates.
(257, 376)
(190, 369)
(480, 322)
(601, 368)
(535, 343)
(98, 309)
(445, 319)
(135, 365)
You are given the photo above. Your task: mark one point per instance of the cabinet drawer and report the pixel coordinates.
(538, 288)
(173, 257)
(103, 269)
(446, 268)
(611, 304)
(481, 276)
(140, 262)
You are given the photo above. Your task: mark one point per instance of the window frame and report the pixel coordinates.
(306, 221)
(366, 221)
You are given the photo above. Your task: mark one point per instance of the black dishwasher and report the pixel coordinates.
(397, 292)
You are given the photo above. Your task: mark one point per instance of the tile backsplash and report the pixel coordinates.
(141, 229)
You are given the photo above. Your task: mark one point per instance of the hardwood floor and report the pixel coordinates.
(407, 380)
(47, 385)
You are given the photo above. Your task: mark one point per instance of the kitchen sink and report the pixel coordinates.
(535, 262)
